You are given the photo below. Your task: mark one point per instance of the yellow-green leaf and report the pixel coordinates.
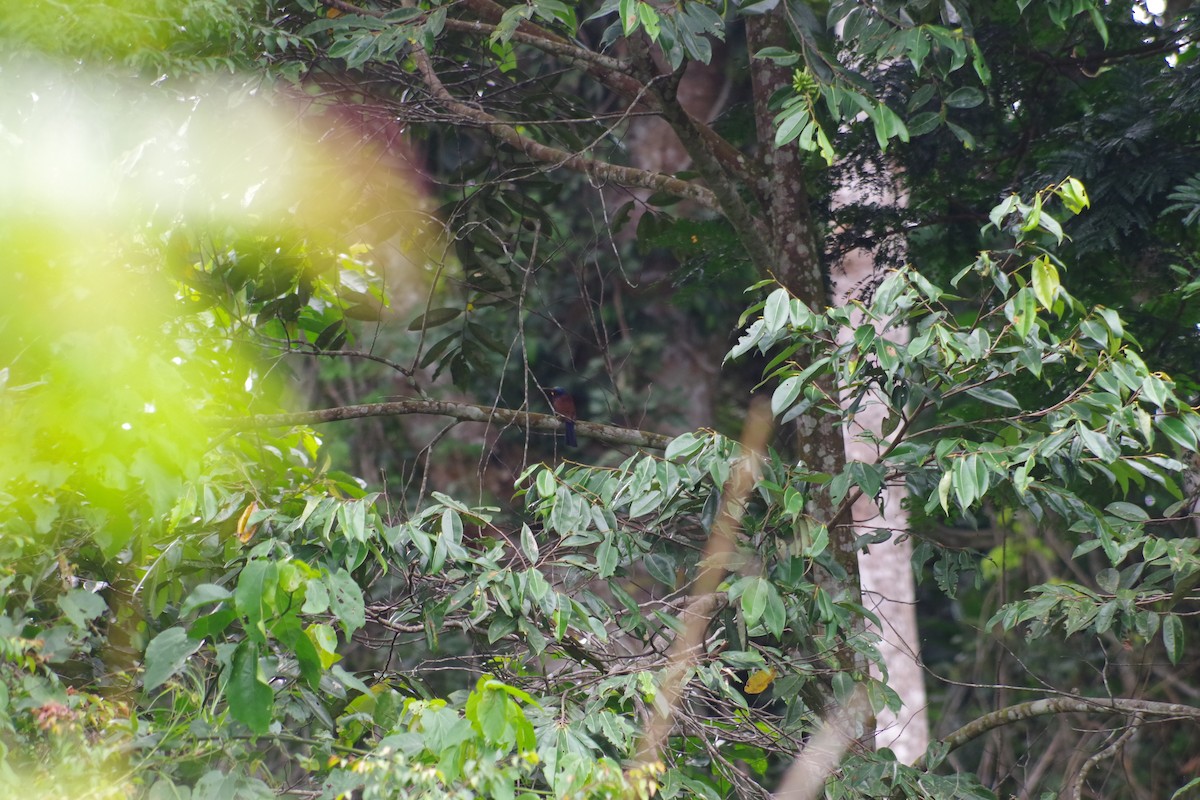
(1045, 282)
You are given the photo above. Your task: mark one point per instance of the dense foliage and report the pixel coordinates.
(202, 600)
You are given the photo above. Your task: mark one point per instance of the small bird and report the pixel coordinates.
(564, 406)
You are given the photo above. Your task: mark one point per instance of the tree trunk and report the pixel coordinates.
(780, 187)
(888, 587)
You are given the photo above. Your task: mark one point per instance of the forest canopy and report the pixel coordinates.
(481, 399)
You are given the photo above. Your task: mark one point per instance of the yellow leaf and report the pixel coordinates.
(760, 680)
(244, 533)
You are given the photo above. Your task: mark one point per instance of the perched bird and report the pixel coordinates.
(564, 406)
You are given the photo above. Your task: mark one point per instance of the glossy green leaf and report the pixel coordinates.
(1178, 432)
(995, 397)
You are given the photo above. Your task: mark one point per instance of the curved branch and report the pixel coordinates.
(467, 412)
(1076, 790)
(1062, 705)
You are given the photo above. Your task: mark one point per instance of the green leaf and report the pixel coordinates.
(978, 62)
(312, 666)
(255, 594)
(996, 397)
(165, 654)
(501, 625)
(1099, 23)
(782, 57)
(434, 317)
(606, 559)
(1073, 195)
(645, 503)
(204, 594)
(888, 125)
(1173, 639)
(970, 480)
(756, 594)
(1109, 580)
(492, 715)
(661, 567)
(210, 625)
(966, 97)
(1185, 791)
(529, 543)
(792, 126)
(1128, 512)
(816, 542)
(1177, 432)
(1051, 226)
(775, 615)
(546, 485)
(250, 698)
(630, 19)
(843, 687)
(962, 134)
(81, 606)
(684, 445)
(923, 123)
(346, 600)
(1098, 443)
(786, 394)
(649, 20)
(1022, 311)
(867, 477)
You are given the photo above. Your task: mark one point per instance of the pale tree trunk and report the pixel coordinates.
(888, 587)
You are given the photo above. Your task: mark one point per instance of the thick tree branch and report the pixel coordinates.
(793, 241)
(467, 412)
(750, 227)
(1062, 705)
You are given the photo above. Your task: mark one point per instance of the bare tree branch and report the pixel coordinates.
(1062, 705)
(1076, 788)
(467, 412)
